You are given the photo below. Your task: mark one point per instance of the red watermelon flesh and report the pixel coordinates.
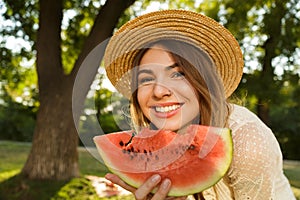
(193, 161)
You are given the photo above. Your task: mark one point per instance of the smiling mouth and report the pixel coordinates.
(166, 109)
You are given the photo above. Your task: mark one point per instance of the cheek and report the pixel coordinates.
(191, 95)
(142, 96)
(189, 91)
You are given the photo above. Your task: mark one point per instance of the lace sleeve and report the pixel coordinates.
(257, 159)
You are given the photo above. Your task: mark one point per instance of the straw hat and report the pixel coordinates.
(187, 26)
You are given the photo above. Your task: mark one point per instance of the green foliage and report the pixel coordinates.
(284, 115)
(253, 23)
(16, 70)
(76, 189)
(18, 91)
(16, 120)
(24, 18)
(78, 19)
(269, 35)
(284, 108)
(210, 8)
(103, 107)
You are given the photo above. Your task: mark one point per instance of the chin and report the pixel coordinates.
(169, 128)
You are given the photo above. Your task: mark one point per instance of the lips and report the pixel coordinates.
(166, 110)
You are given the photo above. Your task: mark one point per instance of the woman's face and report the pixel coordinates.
(165, 97)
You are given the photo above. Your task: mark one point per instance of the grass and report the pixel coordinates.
(90, 165)
(14, 187)
(292, 171)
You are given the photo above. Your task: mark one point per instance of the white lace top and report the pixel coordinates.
(256, 171)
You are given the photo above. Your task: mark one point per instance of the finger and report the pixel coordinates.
(163, 190)
(147, 187)
(116, 180)
(175, 198)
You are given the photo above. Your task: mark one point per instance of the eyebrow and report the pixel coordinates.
(171, 66)
(148, 71)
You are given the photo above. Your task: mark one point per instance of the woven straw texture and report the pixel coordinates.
(191, 27)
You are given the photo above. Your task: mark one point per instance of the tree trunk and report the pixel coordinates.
(263, 111)
(273, 30)
(267, 75)
(54, 147)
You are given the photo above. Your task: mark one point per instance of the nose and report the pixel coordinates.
(160, 91)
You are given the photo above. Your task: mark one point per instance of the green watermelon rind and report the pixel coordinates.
(225, 135)
(214, 179)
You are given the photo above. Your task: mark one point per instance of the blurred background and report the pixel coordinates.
(43, 44)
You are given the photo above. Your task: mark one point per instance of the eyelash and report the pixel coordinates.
(177, 74)
(145, 80)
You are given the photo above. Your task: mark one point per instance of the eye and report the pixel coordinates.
(145, 80)
(178, 74)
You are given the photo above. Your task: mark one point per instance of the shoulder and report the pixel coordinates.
(253, 140)
(241, 114)
(257, 158)
(242, 117)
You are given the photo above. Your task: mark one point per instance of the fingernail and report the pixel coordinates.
(155, 178)
(166, 183)
(108, 176)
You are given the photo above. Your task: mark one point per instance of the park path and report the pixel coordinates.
(105, 188)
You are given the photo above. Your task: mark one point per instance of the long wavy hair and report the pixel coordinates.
(200, 71)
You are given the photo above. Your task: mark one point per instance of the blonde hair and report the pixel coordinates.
(200, 71)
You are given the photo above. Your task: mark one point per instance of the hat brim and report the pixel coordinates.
(194, 28)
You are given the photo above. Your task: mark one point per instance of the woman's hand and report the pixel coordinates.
(144, 191)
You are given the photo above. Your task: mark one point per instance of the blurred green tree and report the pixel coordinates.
(62, 34)
(269, 34)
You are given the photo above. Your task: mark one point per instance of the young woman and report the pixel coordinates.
(179, 68)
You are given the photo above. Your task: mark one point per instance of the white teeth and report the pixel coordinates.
(166, 108)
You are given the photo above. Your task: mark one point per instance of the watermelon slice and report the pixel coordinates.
(193, 161)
